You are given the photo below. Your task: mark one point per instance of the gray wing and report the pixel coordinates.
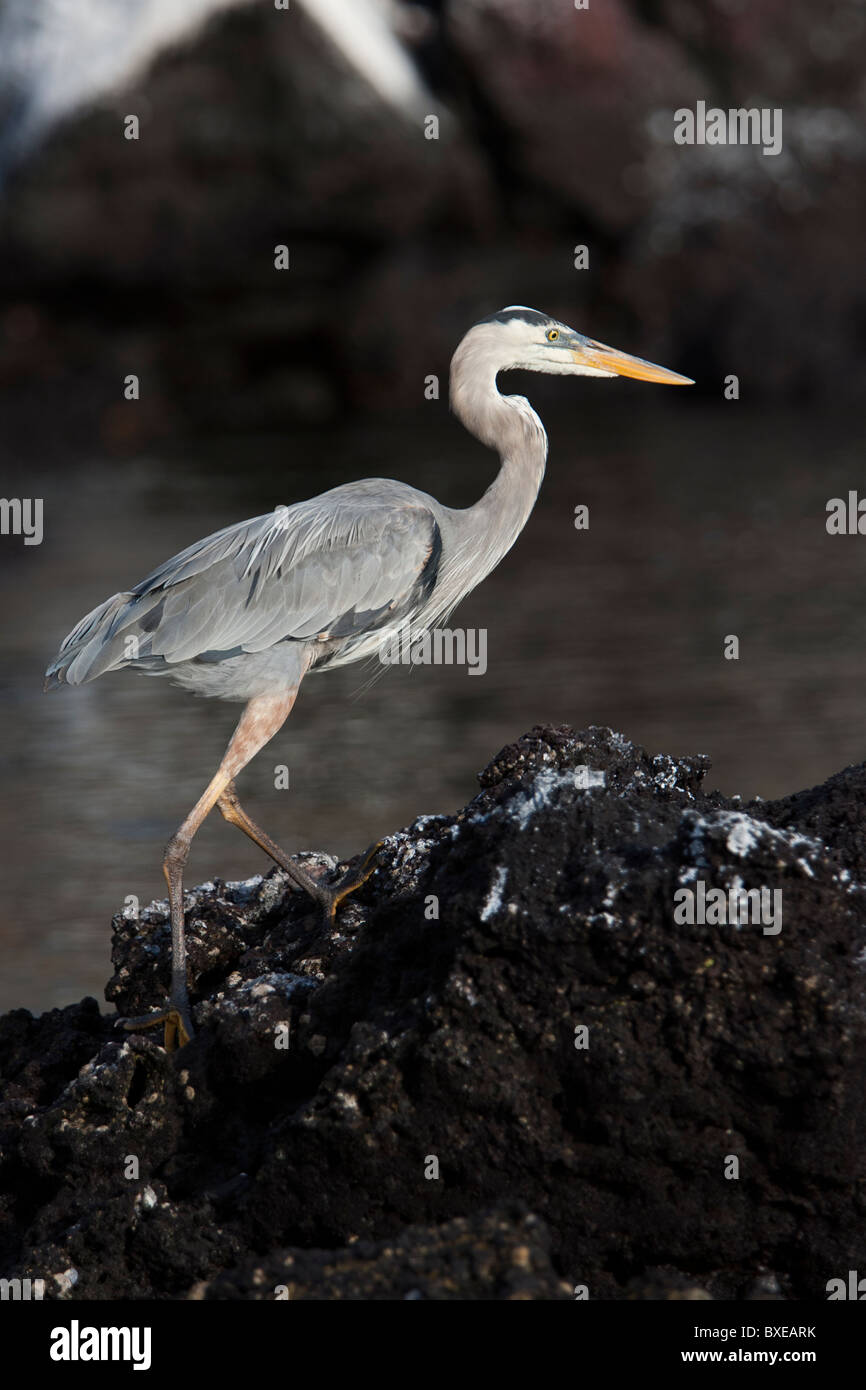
(358, 558)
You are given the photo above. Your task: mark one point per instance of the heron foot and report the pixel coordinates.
(178, 1028)
(330, 898)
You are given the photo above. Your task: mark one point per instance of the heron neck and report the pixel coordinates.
(509, 425)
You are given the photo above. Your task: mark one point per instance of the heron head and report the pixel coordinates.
(527, 340)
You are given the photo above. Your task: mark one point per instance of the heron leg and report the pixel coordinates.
(352, 879)
(261, 719)
(329, 898)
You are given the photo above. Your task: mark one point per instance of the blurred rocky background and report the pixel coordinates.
(261, 126)
(307, 127)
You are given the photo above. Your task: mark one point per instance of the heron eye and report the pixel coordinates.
(552, 335)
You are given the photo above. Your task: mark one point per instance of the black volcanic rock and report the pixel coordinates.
(434, 1031)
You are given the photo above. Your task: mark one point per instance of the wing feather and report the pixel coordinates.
(344, 563)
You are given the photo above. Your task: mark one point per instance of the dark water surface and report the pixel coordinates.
(703, 523)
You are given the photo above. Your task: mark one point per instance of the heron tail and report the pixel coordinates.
(98, 643)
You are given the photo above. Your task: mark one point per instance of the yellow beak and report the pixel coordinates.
(609, 359)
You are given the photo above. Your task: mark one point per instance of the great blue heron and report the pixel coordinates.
(247, 612)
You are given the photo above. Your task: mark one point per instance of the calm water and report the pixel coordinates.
(703, 523)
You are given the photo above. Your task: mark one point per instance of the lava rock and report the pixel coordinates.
(510, 1069)
(496, 1255)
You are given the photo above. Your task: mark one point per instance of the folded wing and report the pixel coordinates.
(352, 561)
